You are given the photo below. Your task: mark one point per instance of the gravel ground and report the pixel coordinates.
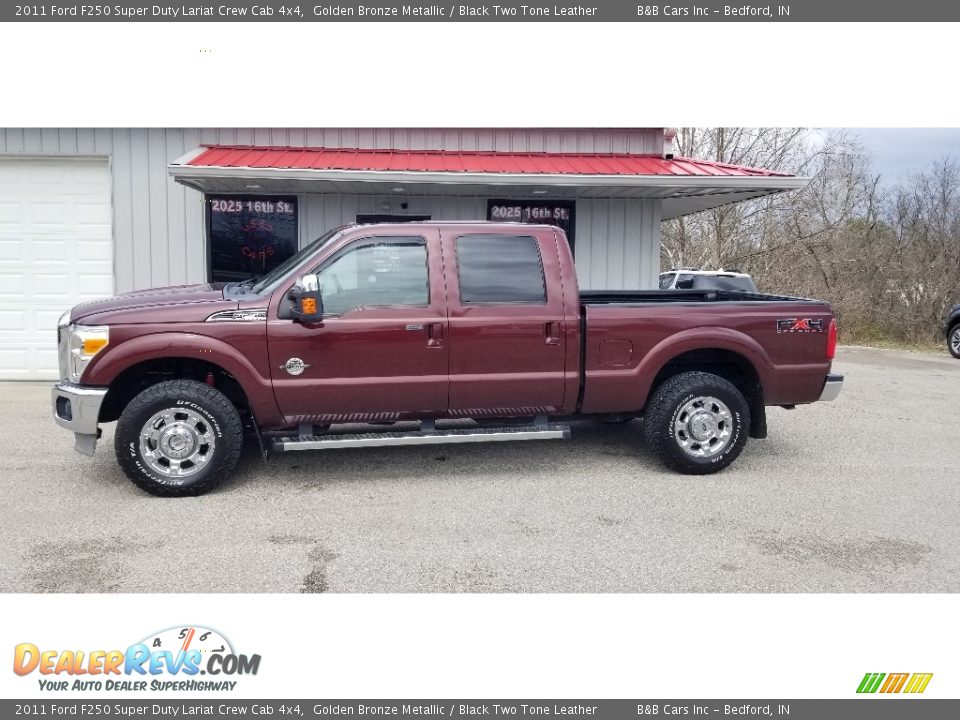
(859, 495)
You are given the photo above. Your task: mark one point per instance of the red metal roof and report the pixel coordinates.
(519, 163)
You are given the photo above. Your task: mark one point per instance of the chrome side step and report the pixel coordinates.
(286, 443)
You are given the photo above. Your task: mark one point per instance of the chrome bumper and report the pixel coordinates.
(832, 387)
(77, 408)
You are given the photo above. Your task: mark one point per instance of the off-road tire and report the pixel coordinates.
(664, 407)
(951, 336)
(199, 397)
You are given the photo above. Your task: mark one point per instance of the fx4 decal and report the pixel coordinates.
(800, 325)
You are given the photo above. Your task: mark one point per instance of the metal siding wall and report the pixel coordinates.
(70, 141)
(159, 226)
(618, 244)
(617, 241)
(138, 172)
(194, 223)
(319, 213)
(122, 210)
(160, 252)
(634, 140)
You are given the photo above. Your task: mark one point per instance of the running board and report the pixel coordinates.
(438, 437)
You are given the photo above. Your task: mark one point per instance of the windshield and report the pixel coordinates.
(268, 283)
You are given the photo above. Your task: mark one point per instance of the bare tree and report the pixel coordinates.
(888, 258)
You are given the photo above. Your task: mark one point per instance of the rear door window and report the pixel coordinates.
(500, 269)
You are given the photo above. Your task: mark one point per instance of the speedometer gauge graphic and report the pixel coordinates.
(189, 637)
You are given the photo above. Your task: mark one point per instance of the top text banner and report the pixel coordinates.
(506, 11)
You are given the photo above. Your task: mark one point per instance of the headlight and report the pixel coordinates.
(85, 341)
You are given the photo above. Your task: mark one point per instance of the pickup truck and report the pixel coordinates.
(426, 333)
(953, 331)
(692, 279)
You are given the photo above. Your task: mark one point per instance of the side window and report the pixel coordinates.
(385, 271)
(500, 269)
(666, 280)
(684, 282)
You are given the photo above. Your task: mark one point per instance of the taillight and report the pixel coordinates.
(832, 339)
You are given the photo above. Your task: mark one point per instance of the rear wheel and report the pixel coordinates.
(179, 437)
(953, 341)
(697, 423)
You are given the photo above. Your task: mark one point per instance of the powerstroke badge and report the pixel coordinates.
(800, 325)
(167, 660)
(294, 366)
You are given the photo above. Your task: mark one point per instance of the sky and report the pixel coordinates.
(899, 152)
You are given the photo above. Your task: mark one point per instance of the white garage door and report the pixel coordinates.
(55, 251)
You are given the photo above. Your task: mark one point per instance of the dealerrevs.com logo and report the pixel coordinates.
(179, 658)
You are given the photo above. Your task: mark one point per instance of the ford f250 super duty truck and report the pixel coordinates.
(474, 331)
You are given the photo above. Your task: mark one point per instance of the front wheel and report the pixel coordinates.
(179, 437)
(953, 341)
(697, 423)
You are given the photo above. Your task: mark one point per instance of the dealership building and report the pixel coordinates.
(88, 212)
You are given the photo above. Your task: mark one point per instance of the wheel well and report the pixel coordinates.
(953, 324)
(732, 367)
(137, 378)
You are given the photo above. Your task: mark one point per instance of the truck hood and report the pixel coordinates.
(155, 297)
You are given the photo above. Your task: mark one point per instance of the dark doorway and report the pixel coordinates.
(387, 218)
(249, 235)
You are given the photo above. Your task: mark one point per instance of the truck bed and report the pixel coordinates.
(628, 335)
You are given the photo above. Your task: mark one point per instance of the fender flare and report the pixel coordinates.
(700, 338)
(107, 366)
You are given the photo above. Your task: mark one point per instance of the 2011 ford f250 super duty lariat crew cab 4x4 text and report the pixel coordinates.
(476, 331)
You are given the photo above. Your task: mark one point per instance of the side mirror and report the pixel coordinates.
(307, 300)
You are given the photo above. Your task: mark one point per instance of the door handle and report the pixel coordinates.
(435, 335)
(551, 332)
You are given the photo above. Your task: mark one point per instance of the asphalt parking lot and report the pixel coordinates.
(859, 495)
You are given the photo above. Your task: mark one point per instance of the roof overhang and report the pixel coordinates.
(680, 194)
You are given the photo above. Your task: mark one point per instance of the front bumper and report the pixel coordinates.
(77, 408)
(832, 387)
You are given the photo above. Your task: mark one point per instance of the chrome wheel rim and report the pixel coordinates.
(955, 341)
(703, 427)
(177, 442)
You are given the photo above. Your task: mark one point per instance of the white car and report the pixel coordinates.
(690, 279)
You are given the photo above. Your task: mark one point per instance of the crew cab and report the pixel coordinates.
(426, 333)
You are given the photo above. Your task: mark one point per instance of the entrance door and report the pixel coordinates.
(381, 352)
(249, 234)
(507, 331)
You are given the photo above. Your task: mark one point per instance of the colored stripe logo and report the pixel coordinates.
(894, 683)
